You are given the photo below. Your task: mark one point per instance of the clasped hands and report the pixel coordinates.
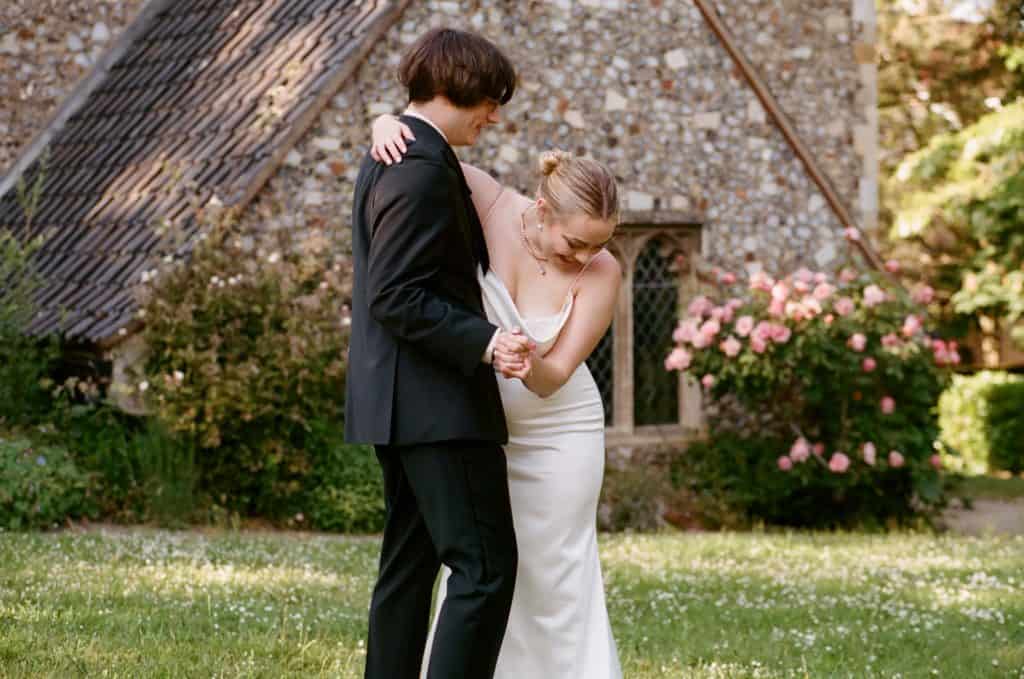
(513, 354)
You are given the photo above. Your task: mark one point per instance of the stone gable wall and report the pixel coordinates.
(647, 88)
(46, 46)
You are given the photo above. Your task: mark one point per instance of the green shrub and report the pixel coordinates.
(247, 347)
(40, 486)
(25, 362)
(1005, 427)
(821, 401)
(967, 420)
(345, 492)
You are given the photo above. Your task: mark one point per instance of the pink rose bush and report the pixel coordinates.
(806, 364)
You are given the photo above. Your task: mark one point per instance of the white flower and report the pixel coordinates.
(274, 257)
(178, 376)
(143, 385)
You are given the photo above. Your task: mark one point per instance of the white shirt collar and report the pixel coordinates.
(428, 121)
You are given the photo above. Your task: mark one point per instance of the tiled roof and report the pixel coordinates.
(211, 93)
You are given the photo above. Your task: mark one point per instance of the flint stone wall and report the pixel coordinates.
(647, 88)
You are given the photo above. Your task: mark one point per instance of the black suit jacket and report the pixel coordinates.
(419, 331)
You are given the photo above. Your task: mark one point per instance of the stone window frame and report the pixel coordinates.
(635, 231)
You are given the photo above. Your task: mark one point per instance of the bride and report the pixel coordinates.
(552, 278)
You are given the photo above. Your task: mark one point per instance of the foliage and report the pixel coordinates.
(40, 486)
(842, 381)
(247, 346)
(25, 362)
(1005, 425)
(938, 73)
(346, 488)
(961, 212)
(966, 419)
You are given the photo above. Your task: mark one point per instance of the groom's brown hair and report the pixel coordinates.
(466, 68)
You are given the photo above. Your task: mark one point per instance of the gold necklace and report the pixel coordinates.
(529, 248)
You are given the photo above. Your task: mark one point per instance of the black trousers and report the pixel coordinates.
(447, 503)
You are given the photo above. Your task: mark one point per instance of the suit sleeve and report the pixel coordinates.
(413, 215)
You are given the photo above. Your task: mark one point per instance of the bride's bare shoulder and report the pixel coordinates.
(606, 266)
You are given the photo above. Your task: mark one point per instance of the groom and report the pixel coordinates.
(420, 387)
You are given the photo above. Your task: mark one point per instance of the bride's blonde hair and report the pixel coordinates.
(573, 185)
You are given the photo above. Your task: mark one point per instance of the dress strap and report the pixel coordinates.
(576, 280)
(487, 215)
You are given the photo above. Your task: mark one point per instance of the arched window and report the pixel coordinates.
(643, 402)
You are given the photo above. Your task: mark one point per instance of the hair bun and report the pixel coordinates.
(550, 160)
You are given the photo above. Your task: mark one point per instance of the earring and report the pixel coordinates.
(540, 224)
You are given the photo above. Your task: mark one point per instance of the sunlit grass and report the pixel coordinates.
(158, 604)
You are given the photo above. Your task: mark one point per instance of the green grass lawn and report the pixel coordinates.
(160, 604)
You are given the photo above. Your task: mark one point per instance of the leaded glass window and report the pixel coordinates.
(602, 366)
(655, 313)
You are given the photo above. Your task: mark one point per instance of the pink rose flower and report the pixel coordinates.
(700, 341)
(936, 461)
(888, 405)
(795, 312)
(781, 333)
(868, 364)
(873, 296)
(727, 277)
(731, 346)
(700, 306)
(734, 303)
(710, 328)
(839, 463)
(744, 324)
(685, 332)
(761, 281)
(829, 318)
(892, 266)
(911, 325)
(891, 340)
(758, 344)
(780, 291)
(820, 277)
(869, 452)
(804, 275)
(785, 464)
(679, 359)
(848, 274)
(823, 291)
(858, 341)
(708, 381)
(812, 307)
(802, 287)
(777, 308)
(819, 449)
(843, 306)
(923, 294)
(895, 459)
(800, 450)
(851, 233)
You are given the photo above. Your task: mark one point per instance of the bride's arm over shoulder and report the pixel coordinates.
(592, 313)
(485, 188)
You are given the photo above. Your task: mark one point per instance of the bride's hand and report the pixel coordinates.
(389, 137)
(513, 365)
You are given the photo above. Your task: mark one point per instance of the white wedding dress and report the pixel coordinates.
(558, 627)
